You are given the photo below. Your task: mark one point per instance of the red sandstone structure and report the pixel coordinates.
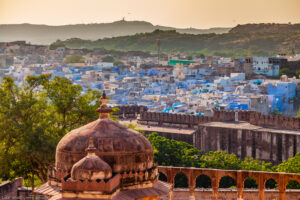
(118, 164)
(238, 175)
(268, 138)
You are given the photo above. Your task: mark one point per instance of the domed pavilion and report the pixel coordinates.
(103, 160)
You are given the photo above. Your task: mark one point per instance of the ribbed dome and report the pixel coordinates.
(121, 148)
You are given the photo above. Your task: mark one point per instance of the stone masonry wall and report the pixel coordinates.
(291, 123)
(130, 111)
(257, 143)
(9, 190)
(190, 121)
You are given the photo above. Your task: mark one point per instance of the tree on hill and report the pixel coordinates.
(108, 59)
(76, 58)
(56, 44)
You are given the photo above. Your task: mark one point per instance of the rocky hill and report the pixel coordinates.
(43, 34)
(242, 40)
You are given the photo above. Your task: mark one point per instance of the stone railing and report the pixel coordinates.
(239, 176)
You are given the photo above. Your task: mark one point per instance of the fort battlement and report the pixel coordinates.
(130, 111)
(191, 121)
(280, 122)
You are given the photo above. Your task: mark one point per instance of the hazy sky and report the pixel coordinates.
(176, 13)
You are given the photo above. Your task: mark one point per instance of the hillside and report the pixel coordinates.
(43, 34)
(243, 40)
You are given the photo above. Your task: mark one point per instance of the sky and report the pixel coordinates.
(175, 13)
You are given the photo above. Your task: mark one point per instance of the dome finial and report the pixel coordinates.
(91, 148)
(104, 110)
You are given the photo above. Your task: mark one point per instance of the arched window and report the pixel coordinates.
(292, 184)
(271, 184)
(227, 182)
(181, 181)
(250, 183)
(203, 181)
(162, 177)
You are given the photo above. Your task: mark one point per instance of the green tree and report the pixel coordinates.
(75, 58)
(34, 117)
(298, 74)
(108, 59)
(174, 153)
(221, 160)
(200, 55)
(189, 57)
(56, 44)
(286, 71)
(291, 165)
(255, 165)
(118, 63)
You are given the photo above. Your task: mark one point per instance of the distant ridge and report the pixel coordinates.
(44, 34)
(240, 41)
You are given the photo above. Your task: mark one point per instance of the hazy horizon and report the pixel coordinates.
(200, 14)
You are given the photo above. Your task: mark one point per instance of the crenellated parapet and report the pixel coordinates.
(130, 111)
(191, 121)
(172, 120)
(280, 122)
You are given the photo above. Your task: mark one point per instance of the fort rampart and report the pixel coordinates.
(191, 121)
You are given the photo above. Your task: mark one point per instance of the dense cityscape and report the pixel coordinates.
(167, 83)
(201, 101)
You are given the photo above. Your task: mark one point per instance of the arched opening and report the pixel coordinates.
(271, 184)
(162, 177)
(227, 182)
(203, 181)
(292, 184)
(181, 181)
(250, 183)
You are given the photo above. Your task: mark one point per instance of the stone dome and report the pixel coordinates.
(91, 167)
(123, 149)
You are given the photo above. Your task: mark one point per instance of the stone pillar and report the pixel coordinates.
(192, 193)
(261, 187)
(282, 187)
(171, 193)
(171, 177)
(215, 187)
(282, 194)
(240, 186)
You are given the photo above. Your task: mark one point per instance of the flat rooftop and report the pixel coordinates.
(247, 126)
